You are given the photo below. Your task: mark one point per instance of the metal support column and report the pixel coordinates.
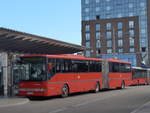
(4, 58)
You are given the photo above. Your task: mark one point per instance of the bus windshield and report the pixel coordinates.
(35, 68)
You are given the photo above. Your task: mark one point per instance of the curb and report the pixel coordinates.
(15, 104)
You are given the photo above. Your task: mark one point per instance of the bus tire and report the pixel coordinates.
(97, 87)
(122, 85)
(65, 91)
(146, 82)
(33, 98)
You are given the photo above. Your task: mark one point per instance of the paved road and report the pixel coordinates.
(112, 101)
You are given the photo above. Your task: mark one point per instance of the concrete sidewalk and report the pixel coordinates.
(143, 109)
(13, 101)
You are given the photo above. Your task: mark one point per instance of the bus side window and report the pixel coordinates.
(62, 65)
(58, 66)
(91, 66)
(115, 67)
(110, 67)
(100, 64)
(51, 67)
(74, 67)
(70, 69)
(133, 73)
(79, 66)
(95, 66)
(82, 66)
(122, 68)
(127, 68)
(67, 66)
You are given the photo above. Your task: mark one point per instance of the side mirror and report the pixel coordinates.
(49, 66)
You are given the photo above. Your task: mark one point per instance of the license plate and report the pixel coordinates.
(30, 93)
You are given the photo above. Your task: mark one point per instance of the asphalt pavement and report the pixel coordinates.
(130, 100)
(12, 101)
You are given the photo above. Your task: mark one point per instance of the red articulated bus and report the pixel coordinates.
(140, 76)
(49, 75)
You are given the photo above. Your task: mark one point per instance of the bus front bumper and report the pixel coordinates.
(32, 92)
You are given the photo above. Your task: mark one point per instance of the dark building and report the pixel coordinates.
(117, 28)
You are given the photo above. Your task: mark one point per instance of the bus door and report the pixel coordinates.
(105, 74)
(19, 73)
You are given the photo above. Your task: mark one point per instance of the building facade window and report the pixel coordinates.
(143, 42)
(98, 44)
(131, 14)
(109, 43)
(120, 34)
(131, 42)
(97, 9)
(120, 25)
(120, 50)
(86, 10)
(132, 50)
(130, 5)
(97, 17)
(88, 53)
(87, 36)
(87, 18)
(87, 44)
(87, 1)
(98, 52)
(98, 35)
(143, 49)
(108, 8)
(131, 33)
(142, 4)
(109, 51)
(97, 1)
(87, 27)
(97, 27)
(120, 43)
(143, 31)
(131, 24)
(119, 15)
(108, 35)
(108, 26)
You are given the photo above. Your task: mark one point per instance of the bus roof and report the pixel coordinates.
(66, 56)
(117, 61)
(78, 57)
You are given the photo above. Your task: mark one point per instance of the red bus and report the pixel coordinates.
(49, 75)
(140, 76)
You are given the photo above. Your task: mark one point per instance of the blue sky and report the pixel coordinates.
(57, 19)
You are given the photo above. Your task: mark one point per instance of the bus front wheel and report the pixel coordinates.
(65, 91)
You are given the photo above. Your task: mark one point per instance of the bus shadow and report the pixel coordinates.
(71, 95)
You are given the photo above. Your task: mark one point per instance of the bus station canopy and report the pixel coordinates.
(20, 42)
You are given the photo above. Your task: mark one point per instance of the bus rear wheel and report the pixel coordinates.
(122, 85)
(97, 87)
(65, 91)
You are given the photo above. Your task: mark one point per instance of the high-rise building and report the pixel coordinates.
(117, 28)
